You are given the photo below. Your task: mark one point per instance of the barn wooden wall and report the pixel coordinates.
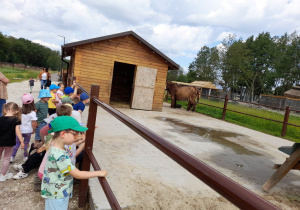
(94, 63)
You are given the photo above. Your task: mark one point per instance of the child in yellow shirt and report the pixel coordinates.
(52, 101)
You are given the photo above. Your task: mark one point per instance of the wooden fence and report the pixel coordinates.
(285, 122)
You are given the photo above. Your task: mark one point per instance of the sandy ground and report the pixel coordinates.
(142, 177)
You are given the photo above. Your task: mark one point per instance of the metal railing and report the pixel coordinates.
(232, 191)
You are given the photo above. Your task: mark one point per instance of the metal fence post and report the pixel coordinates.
(285, 121)
(88, 144)
(225, 107)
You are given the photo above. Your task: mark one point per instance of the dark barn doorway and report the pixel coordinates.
(122, 83)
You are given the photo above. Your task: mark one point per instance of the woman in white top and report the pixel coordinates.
(43, 76)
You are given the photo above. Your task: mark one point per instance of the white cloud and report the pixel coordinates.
(50, 45)
(179, 28)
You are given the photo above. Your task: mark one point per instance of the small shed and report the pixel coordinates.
(205, 85)
(127, 68)
(293, 93)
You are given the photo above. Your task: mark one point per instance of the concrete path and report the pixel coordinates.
(142, 177)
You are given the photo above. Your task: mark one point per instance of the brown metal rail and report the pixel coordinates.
(235, 193)
(105, 186)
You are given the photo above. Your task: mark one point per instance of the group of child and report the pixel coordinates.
(57, 165)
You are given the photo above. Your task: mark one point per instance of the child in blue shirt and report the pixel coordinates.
(80, 106)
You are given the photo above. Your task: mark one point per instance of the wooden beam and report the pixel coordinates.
(296, 167)
(290, 163)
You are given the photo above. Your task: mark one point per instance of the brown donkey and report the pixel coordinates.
(183, 93)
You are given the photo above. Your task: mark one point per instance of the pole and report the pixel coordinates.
(285, 121)
(61, 66)
(83, 192)
(225, 107)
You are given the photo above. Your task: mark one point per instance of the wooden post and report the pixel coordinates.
(290, 163)
(88, 144)
(225, 107)
(286, 120)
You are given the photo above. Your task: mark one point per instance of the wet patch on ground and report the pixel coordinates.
(212, 135)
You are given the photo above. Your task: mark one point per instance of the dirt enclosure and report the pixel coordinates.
(142, 177)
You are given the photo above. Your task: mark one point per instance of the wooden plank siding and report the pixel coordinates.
(93, 63)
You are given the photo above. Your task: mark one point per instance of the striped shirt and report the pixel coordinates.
(42, 111)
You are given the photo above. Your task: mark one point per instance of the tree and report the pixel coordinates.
(24, 51)
(205, 66)
(4, 48)
(182, 78)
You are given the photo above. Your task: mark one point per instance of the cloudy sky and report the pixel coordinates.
(178, 28)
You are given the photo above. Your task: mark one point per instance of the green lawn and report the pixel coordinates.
(254, 123)
(19, 74)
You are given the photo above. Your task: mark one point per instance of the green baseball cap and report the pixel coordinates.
(64, 123)
(66, 100)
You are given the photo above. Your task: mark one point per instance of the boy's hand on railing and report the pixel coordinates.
(102, 173)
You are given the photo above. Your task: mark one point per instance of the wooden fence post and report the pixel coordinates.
(225, 107)
(88, 144)
(285, 121)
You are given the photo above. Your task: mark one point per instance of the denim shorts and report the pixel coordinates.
(57, 204)
(37, 131)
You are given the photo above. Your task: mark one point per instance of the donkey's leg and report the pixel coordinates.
(173, 101)
(189, 105)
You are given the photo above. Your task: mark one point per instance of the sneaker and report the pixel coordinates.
(25, 159)
(11, 159)
(6, 177)
(18, 167)
(20, 175)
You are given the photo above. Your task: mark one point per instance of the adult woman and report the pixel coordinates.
(3, 91)
(43, 76)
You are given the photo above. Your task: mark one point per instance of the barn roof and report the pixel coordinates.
(202, 84)
(293, 93)
(68, 48)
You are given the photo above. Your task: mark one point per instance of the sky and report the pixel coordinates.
(178, 28)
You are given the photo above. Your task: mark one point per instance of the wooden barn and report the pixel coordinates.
(128, 69)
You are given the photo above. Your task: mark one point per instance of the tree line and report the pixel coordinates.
(261, 65)
(24, 51)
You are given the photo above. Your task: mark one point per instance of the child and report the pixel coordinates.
(41, 109)
(28, 125)
(80, 106)
(59, 171)
(60, 93)
(36, 159)
(70, 92)
(31, 84)
(9, 128)
(52, 102)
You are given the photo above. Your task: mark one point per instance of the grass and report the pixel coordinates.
(265, 126)
(19, 74)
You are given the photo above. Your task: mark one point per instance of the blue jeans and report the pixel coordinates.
(2, 101)
(37, 131)
(43, 84)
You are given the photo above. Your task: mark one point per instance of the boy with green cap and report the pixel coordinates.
(57, 184)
